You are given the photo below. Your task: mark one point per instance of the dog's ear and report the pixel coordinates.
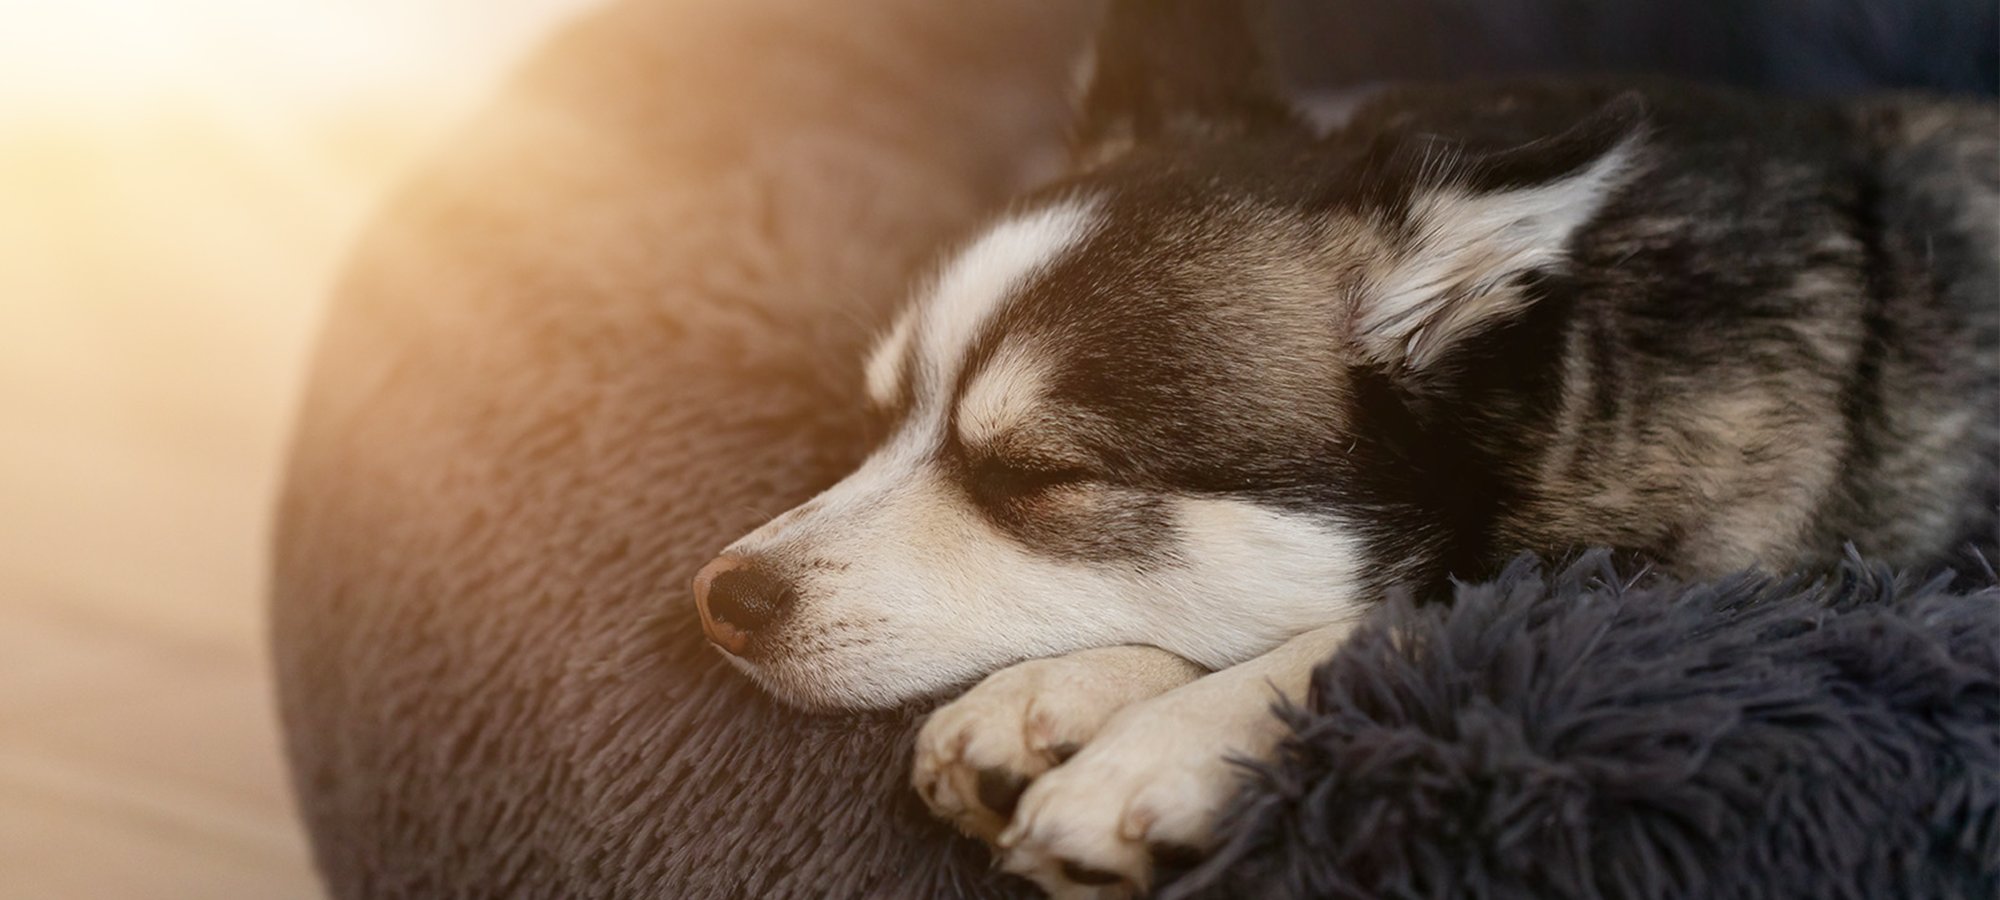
(1472, 230)
(1165, 69)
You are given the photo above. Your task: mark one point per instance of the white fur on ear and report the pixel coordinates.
(1455, 276)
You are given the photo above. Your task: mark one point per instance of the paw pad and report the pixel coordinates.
(1000, 790)
(1085, 875)
(1175, 857)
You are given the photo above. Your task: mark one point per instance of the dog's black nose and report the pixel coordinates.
(737, 599)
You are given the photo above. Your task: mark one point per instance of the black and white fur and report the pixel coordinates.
(1166, 426)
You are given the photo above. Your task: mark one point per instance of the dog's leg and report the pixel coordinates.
(976, 754)
(1157, 776)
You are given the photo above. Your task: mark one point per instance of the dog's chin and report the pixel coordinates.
(819, 691)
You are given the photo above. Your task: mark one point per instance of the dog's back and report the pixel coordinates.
(1784, 335)
(1939, 209)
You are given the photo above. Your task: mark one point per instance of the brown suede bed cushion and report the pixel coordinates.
(614, 326)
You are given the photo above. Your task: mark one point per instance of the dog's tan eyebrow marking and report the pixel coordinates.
(1003, 397)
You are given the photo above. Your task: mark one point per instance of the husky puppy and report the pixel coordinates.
(1165, 428)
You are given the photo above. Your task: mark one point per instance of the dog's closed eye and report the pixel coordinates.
(1004, 479)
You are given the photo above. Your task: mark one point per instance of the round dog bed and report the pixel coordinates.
(615, 326)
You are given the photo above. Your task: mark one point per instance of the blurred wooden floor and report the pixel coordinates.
(159, 284)
(178, 182)
(158, 289)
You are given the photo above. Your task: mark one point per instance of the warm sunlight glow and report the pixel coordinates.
(178, 181)
(181, 178)
(98, 53)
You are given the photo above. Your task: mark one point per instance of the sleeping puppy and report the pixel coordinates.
(1167, 427)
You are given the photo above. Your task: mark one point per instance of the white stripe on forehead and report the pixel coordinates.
(884, 374)
(984, 275)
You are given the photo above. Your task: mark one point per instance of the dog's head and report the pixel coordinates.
(1141, 406)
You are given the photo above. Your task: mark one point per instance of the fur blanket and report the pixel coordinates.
(614, 326)
(1599, 735)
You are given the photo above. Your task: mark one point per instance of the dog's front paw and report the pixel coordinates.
(1148, 790)
(977, 754)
